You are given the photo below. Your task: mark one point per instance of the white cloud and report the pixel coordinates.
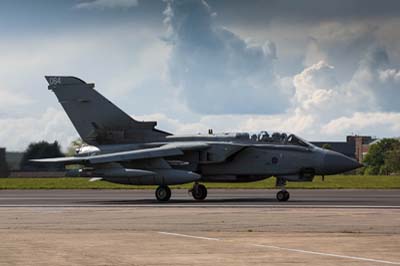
(53, 124)
(342, 44)
(103, 4)
(314, 53)
(293, 123)
(208, 76)
(25, 99)
(219, 72)
(375, 78)
(389, 75)
(378, 124)
(10, 99)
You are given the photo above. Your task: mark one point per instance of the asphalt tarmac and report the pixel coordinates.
(231, 227)
(216, 198)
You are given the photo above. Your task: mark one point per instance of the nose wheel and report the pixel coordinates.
(199, 192)
(282, 195)
(163, 193)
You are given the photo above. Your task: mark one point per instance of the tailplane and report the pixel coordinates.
(97, 120)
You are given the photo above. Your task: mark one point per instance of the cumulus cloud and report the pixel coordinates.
(103, 4)
(51, 125)
(296, 123)
(389, 75)
(315, 86)
(365, 102)
(10, 99)
(320, 94)
(365, 123)
(218, 72)
(207, 74)
(313, 53)
(24, 102)
(230, 84)
(375, 78)
(373, 85)
(342, 44)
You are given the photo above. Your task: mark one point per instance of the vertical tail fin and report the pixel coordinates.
(97, 120)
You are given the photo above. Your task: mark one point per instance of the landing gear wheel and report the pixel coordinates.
(282, 195)
(199, 192)
(163, 193)
(287, 195)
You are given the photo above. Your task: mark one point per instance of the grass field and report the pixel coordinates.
(331, 182)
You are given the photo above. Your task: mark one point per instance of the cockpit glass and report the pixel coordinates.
(294, 140)
(274, 138)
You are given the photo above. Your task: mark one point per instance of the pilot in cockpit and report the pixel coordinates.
(263, 136)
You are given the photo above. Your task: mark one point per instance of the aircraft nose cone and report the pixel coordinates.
(335, 163)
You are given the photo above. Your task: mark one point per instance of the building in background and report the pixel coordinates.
(4, 169)
(354, 146)
(14, 160)
(362, 144)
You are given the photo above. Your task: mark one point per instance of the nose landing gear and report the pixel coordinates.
(282, 195)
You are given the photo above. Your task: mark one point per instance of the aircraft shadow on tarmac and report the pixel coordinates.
(258, 201)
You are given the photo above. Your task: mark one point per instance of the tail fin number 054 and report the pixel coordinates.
(54, 80)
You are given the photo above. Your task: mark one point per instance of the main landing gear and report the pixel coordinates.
(163, 193)
(282, 195)
(199, 191)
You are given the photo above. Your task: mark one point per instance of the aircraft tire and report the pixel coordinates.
(163, 193)
(199, 192)
(282, 195)
(287, 195)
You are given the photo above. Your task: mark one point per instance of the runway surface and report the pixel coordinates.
(231, 227)
(216, 198)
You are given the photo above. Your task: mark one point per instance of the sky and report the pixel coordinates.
(319, 69)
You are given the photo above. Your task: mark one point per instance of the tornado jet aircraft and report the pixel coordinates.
(122, 150)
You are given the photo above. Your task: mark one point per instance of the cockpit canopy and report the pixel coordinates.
(274, 138)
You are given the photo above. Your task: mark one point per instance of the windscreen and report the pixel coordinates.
(294, 140)
(274, 138)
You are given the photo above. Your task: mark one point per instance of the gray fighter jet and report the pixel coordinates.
(123, 150)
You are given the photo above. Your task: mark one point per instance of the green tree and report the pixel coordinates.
(327, 146)
(375, 158)
(75, 144)
(71, 151)
(38, 150)
(392, 159)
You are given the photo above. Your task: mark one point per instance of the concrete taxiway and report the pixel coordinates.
(233, 227)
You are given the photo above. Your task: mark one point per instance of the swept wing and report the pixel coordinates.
(149, 153)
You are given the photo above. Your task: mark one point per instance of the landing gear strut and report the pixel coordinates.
(282, 195)
(163, 193)
(199, 191)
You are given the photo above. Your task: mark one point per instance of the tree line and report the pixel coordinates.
(383, 158)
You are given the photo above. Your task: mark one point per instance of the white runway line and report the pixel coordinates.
(291, 249)
(327, 254)
(189, 236)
